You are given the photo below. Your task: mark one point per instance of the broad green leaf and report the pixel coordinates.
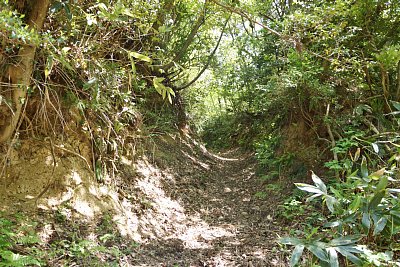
(364, 168)
(309, 188)
(392, 158)
(383, 182)
(395, 213)
(333, 224)
(337, 193)
(102, 7)
(163, 92)
(376, 199)
(157, 82)
(359, 110)
(318, 182)
(355, 204)
(67, 10)
(319, 252)
(140, 57)
(345, 240)
(290, 241)
(57, 6)
(396, 105)
(170, 91)
(366, 220)
(378, 174)
(333, 257)
(312, 197)
(330, 202)
(313, 232)
(296, 255)
(353, 176)
(393, 113)
(347, 252)
(170, 99)
(380, 225)
(128, 13)
(352, 248)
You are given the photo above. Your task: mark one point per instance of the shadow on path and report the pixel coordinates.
(200, 210)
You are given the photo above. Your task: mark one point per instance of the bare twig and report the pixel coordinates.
(333, 142)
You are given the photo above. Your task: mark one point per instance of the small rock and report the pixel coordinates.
(227, 190)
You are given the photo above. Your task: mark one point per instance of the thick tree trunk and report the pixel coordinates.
(19, 74)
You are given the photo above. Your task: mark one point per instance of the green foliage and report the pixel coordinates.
(326, 252)
(291, 208)
(10, 237)
(218, 133)
(163, 90)
(265, 150)
(79, 245)
(363, 211)
(261, 195)
(13, 28)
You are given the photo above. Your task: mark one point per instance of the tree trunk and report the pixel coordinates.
(188, 41)
(19, 74)
(397, 98)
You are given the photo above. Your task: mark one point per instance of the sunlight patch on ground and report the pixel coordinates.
(225, 159)
(166, 218)
(220, 259)
(196, 161)
(205, 151)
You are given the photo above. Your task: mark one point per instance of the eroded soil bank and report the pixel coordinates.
(178, 203)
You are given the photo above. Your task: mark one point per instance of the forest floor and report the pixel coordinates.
(176, 205)
(224, 223)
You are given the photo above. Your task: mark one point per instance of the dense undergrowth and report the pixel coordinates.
(27, 241)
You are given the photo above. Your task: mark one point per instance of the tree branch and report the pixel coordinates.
(247, 16)
(333, 142)
(297, 43)
(188, 41)
(208, 60)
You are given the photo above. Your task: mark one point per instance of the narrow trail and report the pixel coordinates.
(215, 218)
(175, 205)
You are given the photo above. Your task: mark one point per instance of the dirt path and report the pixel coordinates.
(210, 213)
(179, 204)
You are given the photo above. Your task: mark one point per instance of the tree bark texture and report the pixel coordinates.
(19, 74)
